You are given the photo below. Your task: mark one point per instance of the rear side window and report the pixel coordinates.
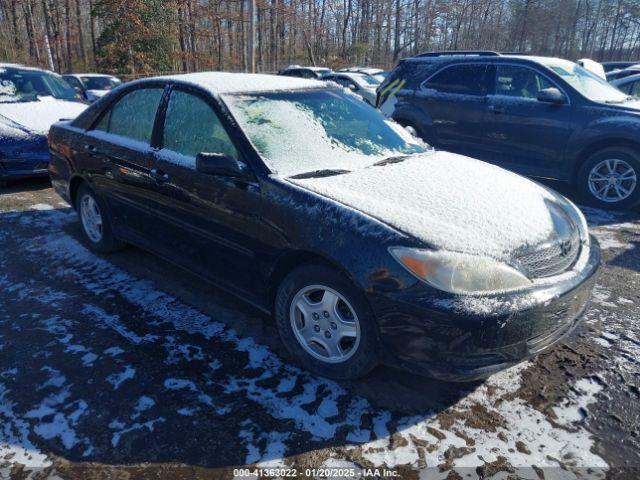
(631, 88)
(191, 127)
(133, 115)
(520, 82)
(467, 79)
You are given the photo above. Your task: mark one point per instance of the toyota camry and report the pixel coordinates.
(365, 244)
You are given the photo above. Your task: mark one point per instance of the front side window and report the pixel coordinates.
(133, 115)
(304, 131)
(467, 79)
(191, 127)
(520, 82)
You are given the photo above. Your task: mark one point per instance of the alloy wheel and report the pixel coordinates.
(612, 180)
(325, 324)
(91, 218)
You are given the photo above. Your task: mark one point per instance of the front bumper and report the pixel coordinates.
(467, 338)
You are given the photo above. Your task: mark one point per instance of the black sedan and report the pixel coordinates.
(365, 244)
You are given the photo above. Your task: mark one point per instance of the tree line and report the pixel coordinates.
(138, 37)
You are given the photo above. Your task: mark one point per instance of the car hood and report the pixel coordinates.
(450, 202)
(38, 116)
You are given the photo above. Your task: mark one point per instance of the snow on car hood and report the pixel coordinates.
(39, 115)
(449, 201)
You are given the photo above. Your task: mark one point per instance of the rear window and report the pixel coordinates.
(465, 79)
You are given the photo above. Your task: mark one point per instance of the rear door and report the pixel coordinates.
(455, 98)
(117, 151)
(211, 224)
(525, 134)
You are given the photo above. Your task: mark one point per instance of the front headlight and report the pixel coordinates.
(458, 272)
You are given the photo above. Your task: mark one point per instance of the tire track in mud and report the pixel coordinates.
(194, 374)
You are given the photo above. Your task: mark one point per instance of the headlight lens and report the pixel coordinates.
(458, 272)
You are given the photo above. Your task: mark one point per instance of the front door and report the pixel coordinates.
(525, 134)
(211, 224)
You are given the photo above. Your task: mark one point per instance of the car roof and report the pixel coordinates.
(225, 82)
(92, 75)
(472, 56)
(19, 66)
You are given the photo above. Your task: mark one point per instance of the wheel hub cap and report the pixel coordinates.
(91, 218)
(325, 324)
(612, 180)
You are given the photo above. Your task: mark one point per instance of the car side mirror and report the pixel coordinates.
(352, 87)
(218, 164)
(551, 95)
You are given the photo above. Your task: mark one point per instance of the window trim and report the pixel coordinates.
(456, 64)
(542, 74)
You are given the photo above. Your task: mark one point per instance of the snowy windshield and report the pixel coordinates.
(305, 131)
(365, 80)
(585, 82)
(27, 85)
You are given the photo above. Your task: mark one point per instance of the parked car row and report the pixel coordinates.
(267, 185)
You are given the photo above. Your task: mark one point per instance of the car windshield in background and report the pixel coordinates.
(367, 80)
(99, 83)
(318, 130)
(28, 85)
(585, 82)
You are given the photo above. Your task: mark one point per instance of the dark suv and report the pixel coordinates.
(539, 116)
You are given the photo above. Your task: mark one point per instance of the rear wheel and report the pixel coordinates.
(325, 323)
(609, 178)
(95, 222)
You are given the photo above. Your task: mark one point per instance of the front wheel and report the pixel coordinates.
(609, 178)
(325, 323)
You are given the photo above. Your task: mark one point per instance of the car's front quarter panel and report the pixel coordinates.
(601, 124)
(354, 242)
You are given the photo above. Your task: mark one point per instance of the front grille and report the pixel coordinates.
(551, 260)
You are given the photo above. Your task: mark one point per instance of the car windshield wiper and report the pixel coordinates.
(320, 173)
(391, 159)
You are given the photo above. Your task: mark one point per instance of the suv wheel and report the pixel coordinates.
(609, 178)
(325, 323)
(95, 222)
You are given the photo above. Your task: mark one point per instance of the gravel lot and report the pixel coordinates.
(126, 367)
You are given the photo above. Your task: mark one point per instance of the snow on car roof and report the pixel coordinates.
(225, 82)
(24, 67)
(92, 75)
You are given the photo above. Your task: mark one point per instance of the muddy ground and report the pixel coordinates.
(124, 366)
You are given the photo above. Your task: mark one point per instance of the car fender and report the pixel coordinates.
(615, 130)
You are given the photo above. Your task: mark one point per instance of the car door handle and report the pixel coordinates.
(496, 109)
(159, 176)
(91, 150)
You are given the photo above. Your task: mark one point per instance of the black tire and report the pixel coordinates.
(108, 242)
(630, 157)
(365, 355)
